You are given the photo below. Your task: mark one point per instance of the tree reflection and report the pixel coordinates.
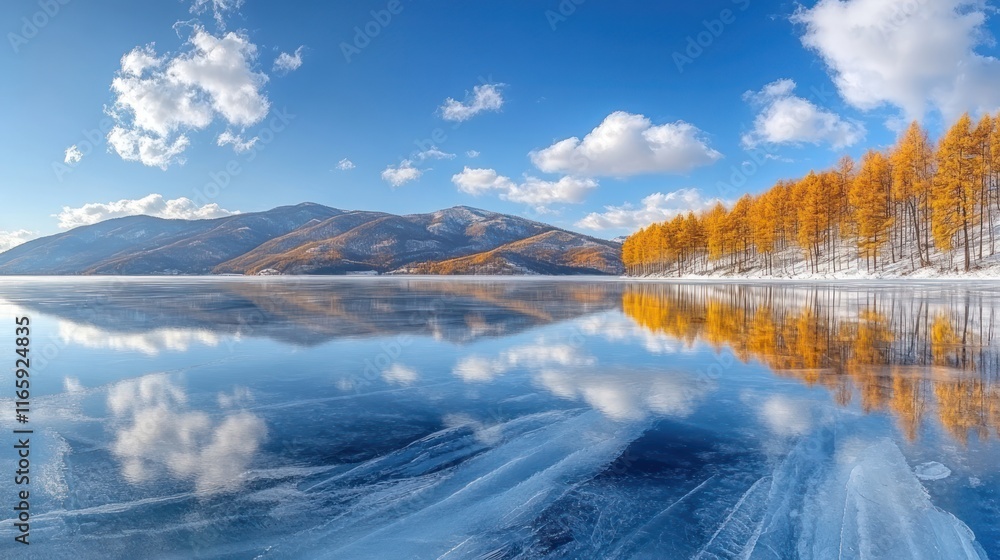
(914, 356)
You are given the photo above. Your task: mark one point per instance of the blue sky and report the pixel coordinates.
(592, 115)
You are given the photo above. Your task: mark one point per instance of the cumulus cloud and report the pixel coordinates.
(148, 149)
(219, 8)
(486, 97)
(916, 56)
(785, 416)
(11, 239)
(73, 155)
(472, 154)
(785, 118)
(569, 373)
(399, 175)
(627, 394)
(158, 99)
(150, 343)
(482, 369)
(626, 144)
(150, 205)
(533, 191)
(400, 375)
(236, 140)
(345, 165)
(156, 433)
(286, 63)
(618, 328)
(434, 153)
(657, 207)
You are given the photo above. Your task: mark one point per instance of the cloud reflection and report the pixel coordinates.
(157, 434)
(150, 343)
(480, 369)
(628, 394)
(568, 372)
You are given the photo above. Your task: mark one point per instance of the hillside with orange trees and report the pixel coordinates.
(916, 206)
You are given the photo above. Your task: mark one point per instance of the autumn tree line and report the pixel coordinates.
(913, 205)
(906, 356)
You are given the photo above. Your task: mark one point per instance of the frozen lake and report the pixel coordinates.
(420, 418)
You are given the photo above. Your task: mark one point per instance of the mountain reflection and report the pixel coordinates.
(304, 311)
(915, 354)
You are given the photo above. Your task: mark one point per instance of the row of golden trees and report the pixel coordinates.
(915, 204)
(900, 354)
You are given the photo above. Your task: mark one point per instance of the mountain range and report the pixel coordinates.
(314, 239)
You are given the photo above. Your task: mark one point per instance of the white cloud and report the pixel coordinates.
(627, 394)
(620, 329)
(786, 416)
(11, 239)
(150, 205)
(156, 434)
(219, 8)
(532, 191)
(159, 99)
(286, 63)
(481, 369)
(239, 144)
(150, 343)
(472, 154)
(917, 56)
(785, 118)
(400, 375)
(148, 149)
(657, 207)
(72, 385)
(401, 174)
(480, 181)
(540, 193)
(625, 144)
(434, 153)
(345, 165)
(73, 155)
(486, 97)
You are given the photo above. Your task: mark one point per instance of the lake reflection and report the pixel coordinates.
(521, 418)
(913, 352)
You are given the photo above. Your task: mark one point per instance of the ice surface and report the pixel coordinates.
(932, 471)
(415, 504)
(852, 498)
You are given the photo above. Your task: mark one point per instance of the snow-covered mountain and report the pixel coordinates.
(311, 239)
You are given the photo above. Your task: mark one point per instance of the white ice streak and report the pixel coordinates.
(841, 497)
(413, 504)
